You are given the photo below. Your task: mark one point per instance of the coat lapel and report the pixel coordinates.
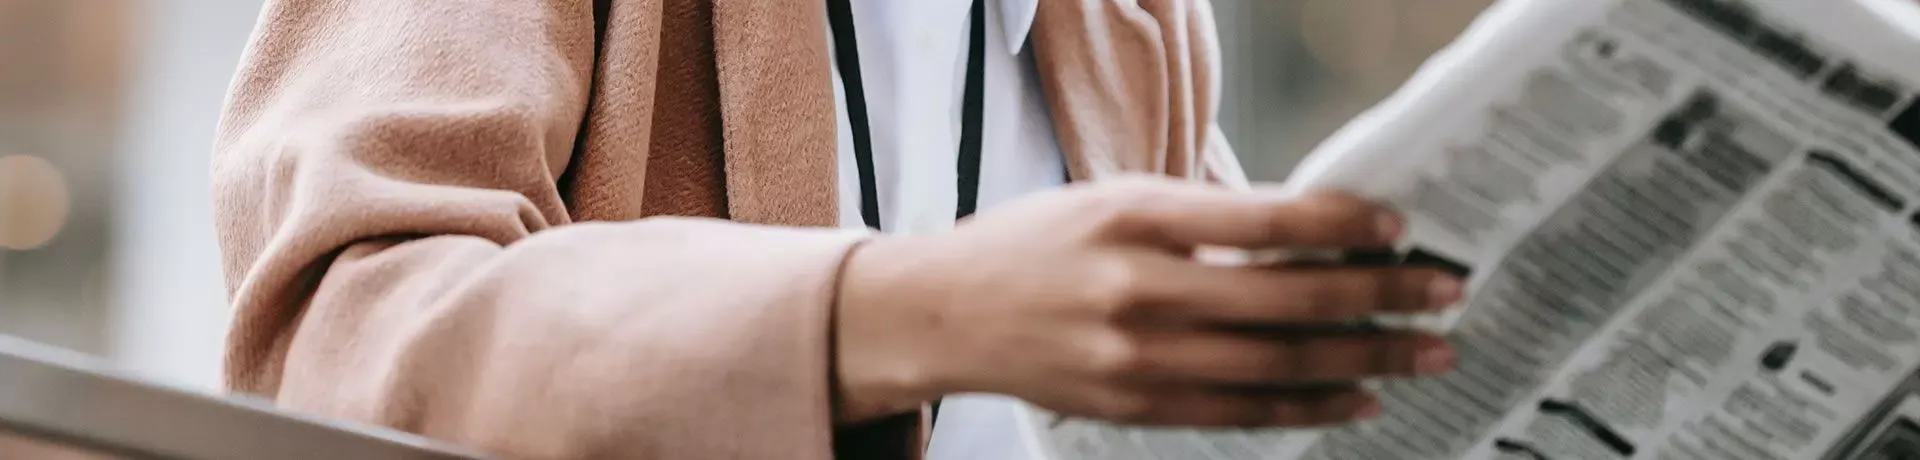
(1106, 66)
(1105, 81)
(1130, 84)
(776, 103)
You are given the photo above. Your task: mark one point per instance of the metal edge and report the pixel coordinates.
(70, 398)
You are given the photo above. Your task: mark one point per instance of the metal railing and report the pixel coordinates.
(76, 407)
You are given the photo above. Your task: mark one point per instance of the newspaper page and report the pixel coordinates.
(1689, 228)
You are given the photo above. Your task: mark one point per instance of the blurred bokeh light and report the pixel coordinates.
(63, 74)
(33, 197)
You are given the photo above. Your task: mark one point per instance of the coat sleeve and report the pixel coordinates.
(397, 253)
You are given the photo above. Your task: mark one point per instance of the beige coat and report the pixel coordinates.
(398, 251)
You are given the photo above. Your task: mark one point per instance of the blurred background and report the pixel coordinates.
(107, 110)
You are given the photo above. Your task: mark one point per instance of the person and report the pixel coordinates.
(727, 228)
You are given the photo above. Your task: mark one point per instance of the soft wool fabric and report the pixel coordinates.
(411, 240)
(688, 176)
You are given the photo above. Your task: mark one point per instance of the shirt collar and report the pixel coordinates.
(1016, 19)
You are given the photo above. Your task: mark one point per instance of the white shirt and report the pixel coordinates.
(913, 57)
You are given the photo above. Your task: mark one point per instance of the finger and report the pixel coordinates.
(1222, 407)
(1246, 359)
(1187, 215)
(1174, 288)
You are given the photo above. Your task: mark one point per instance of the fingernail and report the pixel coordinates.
(1389, 225)
(1368, 411)
(1444, 291)
(1435, 360)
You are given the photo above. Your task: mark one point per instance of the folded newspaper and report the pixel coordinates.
(1690, 228)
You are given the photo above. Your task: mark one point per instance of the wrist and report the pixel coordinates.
(884, 316)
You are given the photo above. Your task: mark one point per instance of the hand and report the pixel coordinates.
(1087, 301)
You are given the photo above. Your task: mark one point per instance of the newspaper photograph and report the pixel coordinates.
(1689, 229)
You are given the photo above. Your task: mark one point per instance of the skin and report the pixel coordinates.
(1087, 301)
